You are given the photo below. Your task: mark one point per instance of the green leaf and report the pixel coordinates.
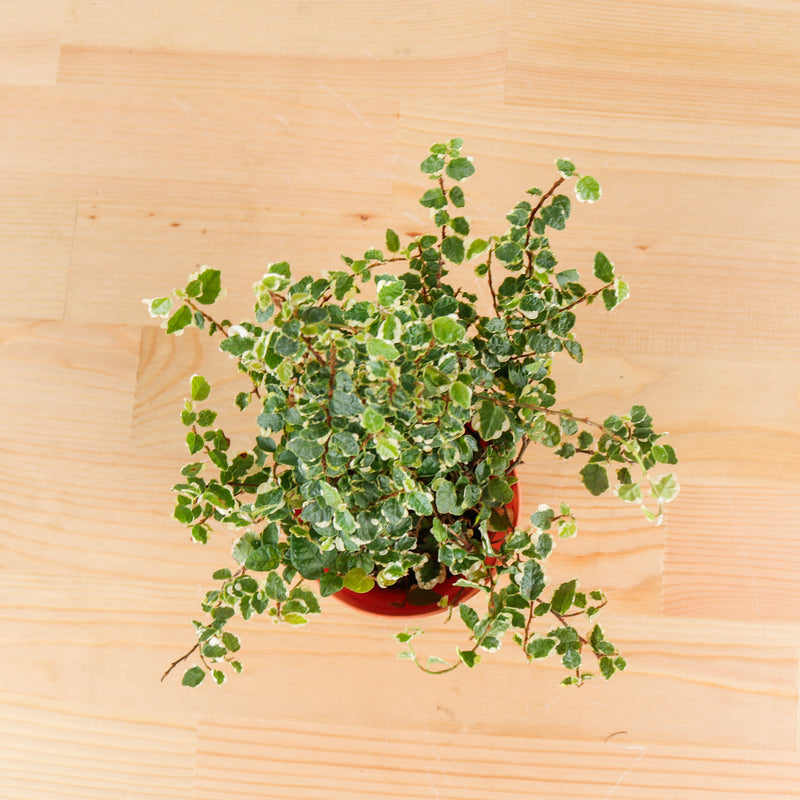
(219, 676)
(457, 197)
(459, 168)
(183, 514)
(476, 247)
(469, 657)
(666, 487)
(275, 587)
(469, 616)
(595, 478)
(221, 574)
(212, 286)
(358, 581)
(664, 454)
(345, 404)
(380, 348)
(461, 394)
(603, 268)
(460, 225)
(193, 676)
(540, 647)
(571, 659)
(330, 583)
(499, 491)
(607, 668)
(387, 448)
(179, 320)
(219, 496)
(200, 388)
(206, 417)
(194, 441)
(574, 349)
(439, 531)
(236, 345)
(420, 503)
(230, 641)
(373, 420)
(563, 597)
(613, 296)
(490, 420)
(567, 528)
(200, 533)
(531, 583)
(542, 519)
(447, 330)
(587, 189)
(432, 164)
(557, 213)
(389, 291)
(453, 249)
(630, 492)
(160, 307)
(544, 545)
(392, 241)
(508, 252)
(446, 499)
(306, 558)
(433, 198)
(263, 559)
(565, 167)
(294, 619)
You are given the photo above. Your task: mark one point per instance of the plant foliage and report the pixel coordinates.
(388, 425)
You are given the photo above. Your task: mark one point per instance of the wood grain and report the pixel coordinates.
(30, 42)
(36, 239)
(138, 141)
(705, 60)
(276, 760)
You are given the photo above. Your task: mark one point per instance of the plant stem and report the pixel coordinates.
(586, 297)
(491, 285)
(535, 211)
(525, 442)
(178, 661)
(205, 315)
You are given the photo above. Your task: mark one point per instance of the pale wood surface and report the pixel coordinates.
(139, 140)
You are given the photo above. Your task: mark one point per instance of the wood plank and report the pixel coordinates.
(291, 28)
(91, 369)
(36, 236)
(475, 73)
(75, 489)
(30, 42)
(236, 134)
(331, 760)
(700, 61)
(59, 749)
(234, 147)
(733, 553)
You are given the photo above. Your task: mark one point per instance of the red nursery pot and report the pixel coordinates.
(393, 600)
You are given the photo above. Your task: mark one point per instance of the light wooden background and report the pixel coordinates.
(140, 139)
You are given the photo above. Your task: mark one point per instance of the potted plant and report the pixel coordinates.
(392, 409)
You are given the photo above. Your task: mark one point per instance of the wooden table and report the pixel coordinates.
(139, 140)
